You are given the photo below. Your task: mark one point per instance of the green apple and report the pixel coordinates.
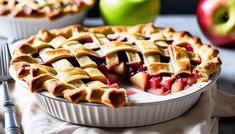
(129, 12)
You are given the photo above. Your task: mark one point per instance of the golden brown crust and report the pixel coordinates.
(76, 95)
(66, 80)
(41, 77)
(52, 9)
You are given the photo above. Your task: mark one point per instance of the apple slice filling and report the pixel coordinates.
(115, 37)
(154, 82)
(112, 77)
(138, 76)
(167, 82)
(112, 37)
(119, 69)
(167, 92)
(178, 85)
(161, 84)
(141, 80)
(131, 68)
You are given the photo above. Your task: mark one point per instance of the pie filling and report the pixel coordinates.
(159, 83)
(89, 64)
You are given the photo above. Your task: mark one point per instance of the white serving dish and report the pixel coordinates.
(146, 108)
(21, 28)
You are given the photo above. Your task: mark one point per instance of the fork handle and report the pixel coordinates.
(11, 124)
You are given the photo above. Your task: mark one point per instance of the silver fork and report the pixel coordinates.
(11, 124)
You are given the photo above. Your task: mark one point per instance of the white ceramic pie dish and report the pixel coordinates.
(145, 108)
(140, 113)
(20, 28)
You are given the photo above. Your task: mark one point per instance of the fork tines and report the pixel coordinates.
(5, 58)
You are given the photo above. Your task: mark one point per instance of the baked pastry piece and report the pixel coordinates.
(43, 8)
(85, 64)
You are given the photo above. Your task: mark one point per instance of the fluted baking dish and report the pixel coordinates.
(20, 28)
(144, 108)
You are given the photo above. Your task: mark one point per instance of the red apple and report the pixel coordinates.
(217, 20)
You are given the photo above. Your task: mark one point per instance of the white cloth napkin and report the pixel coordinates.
(201, 119)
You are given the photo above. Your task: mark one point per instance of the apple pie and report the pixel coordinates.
(51, 9)
(91, 64)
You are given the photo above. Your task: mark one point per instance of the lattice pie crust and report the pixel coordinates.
(89, 64)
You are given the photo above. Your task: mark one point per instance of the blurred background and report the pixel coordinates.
(167, 7)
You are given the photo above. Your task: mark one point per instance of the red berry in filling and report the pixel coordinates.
(188, 47)
(89, 40)
(86, 40)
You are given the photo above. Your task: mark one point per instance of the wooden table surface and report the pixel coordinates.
(189, 23)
